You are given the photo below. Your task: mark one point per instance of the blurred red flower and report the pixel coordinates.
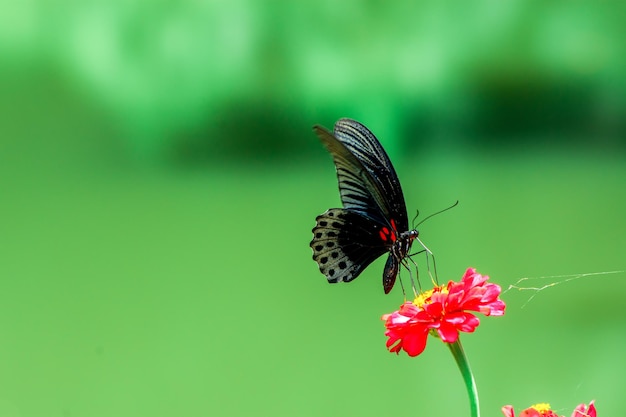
(585, 411)
(543, 410)
(442, 311)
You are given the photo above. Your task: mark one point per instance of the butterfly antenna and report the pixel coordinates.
(456, 203)
(417, 213)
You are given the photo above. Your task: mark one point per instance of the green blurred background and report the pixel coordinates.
(159, 181)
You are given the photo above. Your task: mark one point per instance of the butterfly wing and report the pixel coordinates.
(344, 243)
(357, 187)
(368, 183)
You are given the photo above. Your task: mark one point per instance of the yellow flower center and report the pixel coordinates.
(543, 408)
(424, 297)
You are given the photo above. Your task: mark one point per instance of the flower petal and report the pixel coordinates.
(507, 410)
(448, 332)
(415, 343)
(530, 412)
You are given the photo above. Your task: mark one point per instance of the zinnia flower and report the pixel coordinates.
(585, 411)
(442, 311)
(543, 410)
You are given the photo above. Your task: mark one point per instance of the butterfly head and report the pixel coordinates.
(410, 235)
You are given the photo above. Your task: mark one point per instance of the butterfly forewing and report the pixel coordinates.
(358, 189)
(367, 149)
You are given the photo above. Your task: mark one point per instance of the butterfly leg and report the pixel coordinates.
(417, 273)
(434, 269)
(408, 268)
(430, 254)
(402, 284)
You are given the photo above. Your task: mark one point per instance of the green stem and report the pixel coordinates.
(468, 377)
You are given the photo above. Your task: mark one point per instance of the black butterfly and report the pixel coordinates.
(373, 220)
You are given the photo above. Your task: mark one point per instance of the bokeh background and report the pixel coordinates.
(159, 180)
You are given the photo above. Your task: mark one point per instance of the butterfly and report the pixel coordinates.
(373, 220)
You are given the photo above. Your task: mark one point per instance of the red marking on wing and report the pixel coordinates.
(385, 234)
(394, 231)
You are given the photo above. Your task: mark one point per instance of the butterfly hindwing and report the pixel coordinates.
(345, 243)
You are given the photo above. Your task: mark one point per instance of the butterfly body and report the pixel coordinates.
(373, 220)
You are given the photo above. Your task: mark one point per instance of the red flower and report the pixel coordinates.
(543, 410)
(537, 410)
(585, 411)
(442, 311)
